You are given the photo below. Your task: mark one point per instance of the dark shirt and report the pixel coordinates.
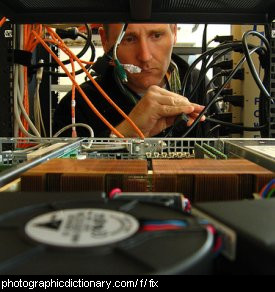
(84, 114)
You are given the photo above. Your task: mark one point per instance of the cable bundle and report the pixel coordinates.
(268, 190)
(59, 42)
(210, 100)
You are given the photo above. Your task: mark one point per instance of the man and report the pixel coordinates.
(151, 98)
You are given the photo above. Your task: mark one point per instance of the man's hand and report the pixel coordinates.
(157, 110)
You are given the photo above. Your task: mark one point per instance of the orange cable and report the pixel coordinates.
(98, 86)
(58, 45)
(78, 87)
(74, 133)
(86, 62)
(2, 21)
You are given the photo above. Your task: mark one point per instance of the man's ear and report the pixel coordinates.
(104, 40)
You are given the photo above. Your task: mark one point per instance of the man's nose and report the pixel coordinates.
(144, 51)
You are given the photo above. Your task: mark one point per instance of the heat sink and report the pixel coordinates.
(209, 180)
(86, 175)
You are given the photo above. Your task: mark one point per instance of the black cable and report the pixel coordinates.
(88, 44)
(235, 126)
(119, 82)
(123, 88)
(203, 66)
(58, 74)
(217, 93)
(217, 109)
(208, 54)
(216, 127)
(91, 45)
(212, 64)
(267, 31)
(219, 74)
(265, 98)
(250, 63)
(235, 46)
(201, 87)
(206, 70)
(202, 74)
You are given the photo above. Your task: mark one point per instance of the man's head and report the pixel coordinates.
(148, 46)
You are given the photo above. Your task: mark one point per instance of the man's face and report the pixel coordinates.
(148, 46)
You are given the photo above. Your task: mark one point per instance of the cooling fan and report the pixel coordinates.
(82, 233)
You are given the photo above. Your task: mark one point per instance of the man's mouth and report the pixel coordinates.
(147, 70)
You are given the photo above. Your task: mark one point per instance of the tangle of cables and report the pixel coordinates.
(30, 36)
(56, 40)
(210, 97)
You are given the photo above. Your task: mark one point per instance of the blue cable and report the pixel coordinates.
(268, 186)
(172, 222)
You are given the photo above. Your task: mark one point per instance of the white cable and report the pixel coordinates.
(75, 125)
(209, 42)
(15, 84)
(30, 123)
(40, 112)
(36, 110)
(129, 67)
(18, 97)
(118, 41)
(37, 106)
(17, 100)
(30, 148)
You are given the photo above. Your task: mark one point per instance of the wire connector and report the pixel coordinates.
(228, 64)
(223, 38)
(131, 68)
(71, 33)
(236, 100)
(239, 75)
(39, 72)
(225, 91)
(120, 71)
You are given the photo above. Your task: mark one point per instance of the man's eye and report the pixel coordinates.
(157, 35)
(128, 39)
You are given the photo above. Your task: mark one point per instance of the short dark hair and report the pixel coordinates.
(107, 28)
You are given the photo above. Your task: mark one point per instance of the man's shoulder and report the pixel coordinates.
(105, 82)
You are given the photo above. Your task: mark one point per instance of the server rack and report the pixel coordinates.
(6, 77)
(170, 11)
(271, 121)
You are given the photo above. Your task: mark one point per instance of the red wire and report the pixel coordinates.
(153, 227)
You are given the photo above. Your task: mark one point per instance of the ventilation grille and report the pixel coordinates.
(68, 5)
(272, 84)
(160, 5)
(220, 5)
(112, 11)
